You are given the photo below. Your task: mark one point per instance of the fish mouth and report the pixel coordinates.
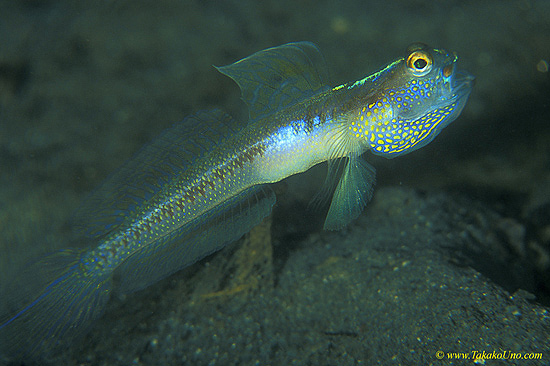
(462, 83)
(455, 89)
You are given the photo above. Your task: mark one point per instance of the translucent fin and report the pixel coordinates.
(50, 303)
(222, 226)
(334, 172)
(153, 166)
(352, 193)
(279, 77)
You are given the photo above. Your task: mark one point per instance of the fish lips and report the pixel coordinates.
(462, 83)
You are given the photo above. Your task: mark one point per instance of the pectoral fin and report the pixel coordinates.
(352, 193)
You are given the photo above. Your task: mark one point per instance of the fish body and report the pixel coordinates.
(204, 183)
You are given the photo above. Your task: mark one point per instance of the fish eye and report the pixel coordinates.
(419, 62)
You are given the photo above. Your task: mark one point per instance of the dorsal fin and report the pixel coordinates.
(144, 175)
(278, 77)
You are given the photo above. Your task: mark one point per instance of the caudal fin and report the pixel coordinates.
(50, 303)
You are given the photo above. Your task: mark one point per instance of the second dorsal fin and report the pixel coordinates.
(278, 77)
(145, 174)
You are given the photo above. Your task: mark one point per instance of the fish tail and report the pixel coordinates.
(49, 303)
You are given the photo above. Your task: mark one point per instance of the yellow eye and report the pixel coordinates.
(419, 62)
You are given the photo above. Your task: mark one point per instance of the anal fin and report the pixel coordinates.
(189, 244)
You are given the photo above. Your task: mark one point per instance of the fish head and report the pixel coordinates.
(420, 94)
